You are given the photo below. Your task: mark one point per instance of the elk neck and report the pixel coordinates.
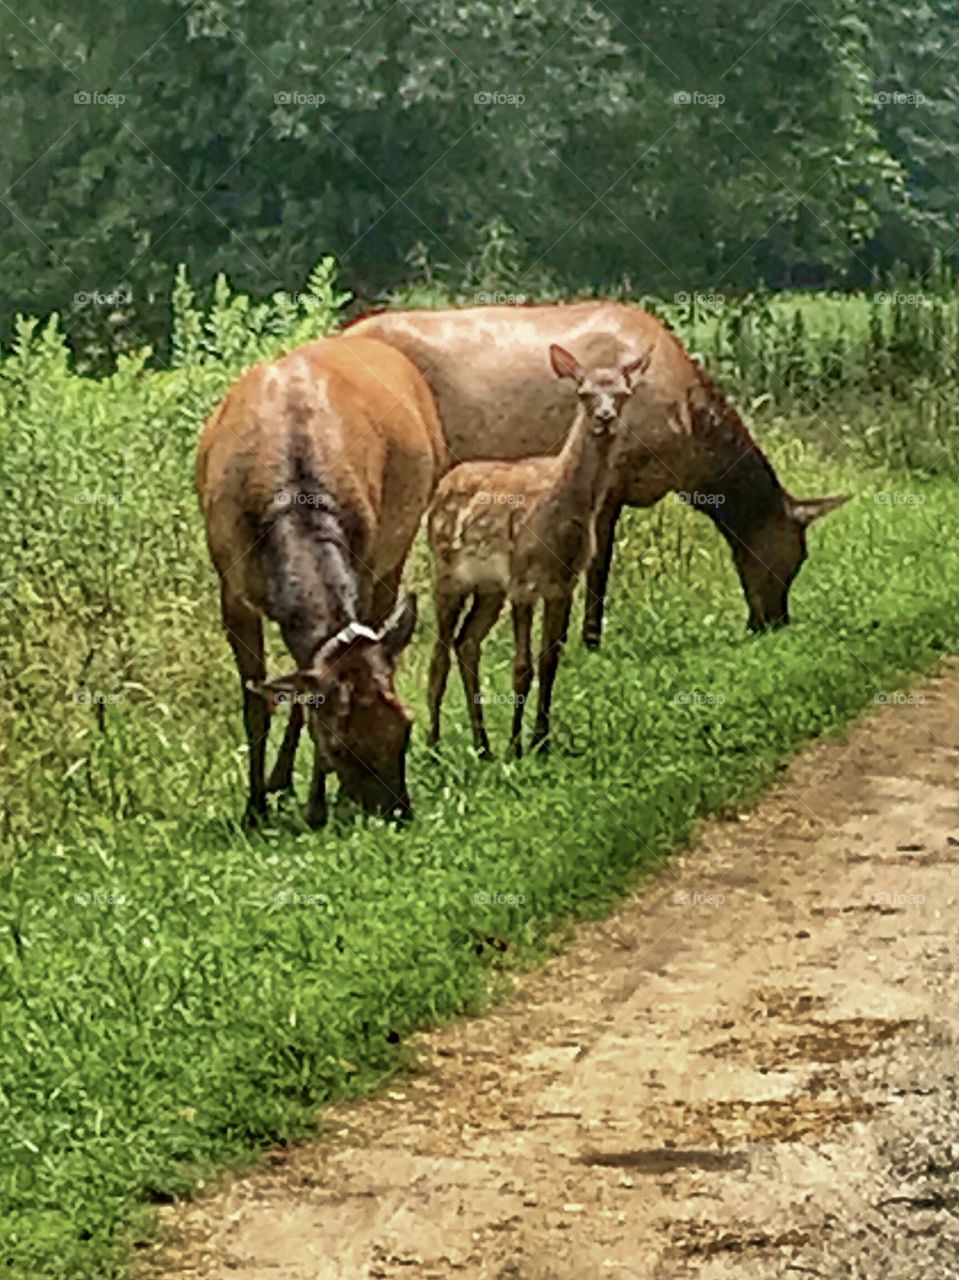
(310, 548)
(737, 485)
(582, 466)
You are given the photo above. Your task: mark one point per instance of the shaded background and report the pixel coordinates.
(525, 146)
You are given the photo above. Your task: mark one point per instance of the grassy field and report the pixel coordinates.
(175, 994)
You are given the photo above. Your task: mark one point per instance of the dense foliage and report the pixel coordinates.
(500, 147)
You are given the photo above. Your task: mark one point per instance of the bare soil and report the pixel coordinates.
(750, 1070)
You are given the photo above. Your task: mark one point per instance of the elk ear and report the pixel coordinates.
(807, 510)
(303, 686)
(397, 630)
(636, 368)
(565, 364)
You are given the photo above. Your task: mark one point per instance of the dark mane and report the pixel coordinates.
(310, 544)
(743, 477)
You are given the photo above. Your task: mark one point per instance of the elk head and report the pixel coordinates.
(769, 559)
(359, 724)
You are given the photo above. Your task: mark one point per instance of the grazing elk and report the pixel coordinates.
(522, 531)
(496, 400)
(313, 474)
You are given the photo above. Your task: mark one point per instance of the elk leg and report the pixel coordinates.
(522, 671)
(244, 631)
(483, 613)
(555, 630)
(448, 610)
(315, 811)
(597, 575)
(281, 776)
(385, 593)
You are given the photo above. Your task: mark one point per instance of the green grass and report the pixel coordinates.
(243, 981)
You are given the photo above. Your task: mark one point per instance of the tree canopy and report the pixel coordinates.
(672, 147)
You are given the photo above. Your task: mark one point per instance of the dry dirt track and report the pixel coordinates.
(749, 1071)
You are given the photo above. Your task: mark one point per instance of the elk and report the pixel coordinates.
(522, 531)
(313, 474)
(681, 434)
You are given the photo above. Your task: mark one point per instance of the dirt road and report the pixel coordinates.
(749, 1071)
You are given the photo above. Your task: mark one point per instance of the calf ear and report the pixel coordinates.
(565, 364)
(806, 510)
(397, 630)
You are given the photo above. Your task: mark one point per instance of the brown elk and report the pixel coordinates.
(313, 474)
(680, 433)
(522, 531)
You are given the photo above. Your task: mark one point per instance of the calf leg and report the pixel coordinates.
(597, 575)
(448, 610)
(555, 630)
(244, 631)
(522, 671)
(469, 643)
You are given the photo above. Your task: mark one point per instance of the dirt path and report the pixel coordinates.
(749, 1071)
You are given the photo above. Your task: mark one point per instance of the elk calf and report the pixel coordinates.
(522, 531)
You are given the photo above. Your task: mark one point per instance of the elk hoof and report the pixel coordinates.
(254, 817)
(591, 639)
(314, 815)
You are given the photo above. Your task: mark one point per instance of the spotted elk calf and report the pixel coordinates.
(523, 531)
